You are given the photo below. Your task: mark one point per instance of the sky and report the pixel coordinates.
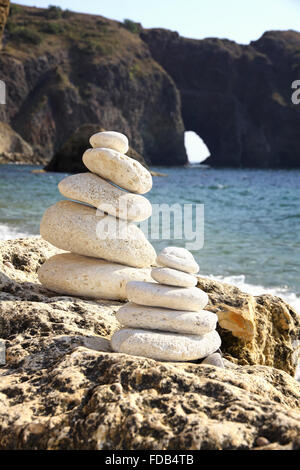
(239, 20)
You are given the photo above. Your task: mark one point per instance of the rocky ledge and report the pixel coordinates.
(62, 387)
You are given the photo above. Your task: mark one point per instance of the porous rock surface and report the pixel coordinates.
(62, 388)
(261, 329)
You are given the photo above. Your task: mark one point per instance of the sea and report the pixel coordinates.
(251, 219)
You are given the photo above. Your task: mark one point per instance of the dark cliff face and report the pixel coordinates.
(66, 72)
(237, 98)
(4, 9)
(63, 73)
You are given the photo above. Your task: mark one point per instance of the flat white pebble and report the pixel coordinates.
(72, 274)
(158, 295)
(94, 190)
(178, 258)
(214, 359)
(173, 277)
(179, 321)
(122, 170)
(111, 140)
(164, 346)
(81, 229)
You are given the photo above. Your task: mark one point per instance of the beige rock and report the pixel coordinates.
(94, 190)
(194, 323)
(178, 258)
(13, 148)
(164, 346)
(110, 139)
(62, 385)
(157, 295)
(214, 359)
(72, 274)
(118, 168)
(255, 329)
(172, 277)
(277, 324)
(83, 230)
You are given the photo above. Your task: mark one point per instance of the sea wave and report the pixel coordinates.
(10, 233)
(240, 282)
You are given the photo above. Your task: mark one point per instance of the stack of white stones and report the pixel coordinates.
(165, 320)
(105, 248)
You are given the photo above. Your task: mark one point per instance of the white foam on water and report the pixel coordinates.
(10, 233)
(283, 292)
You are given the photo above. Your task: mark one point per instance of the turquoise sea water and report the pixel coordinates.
(252, 219)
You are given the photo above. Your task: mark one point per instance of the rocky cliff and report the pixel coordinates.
(237, 98)
(65, 71)
(63, 388)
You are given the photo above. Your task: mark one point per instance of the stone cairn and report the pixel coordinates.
(100, 262)
(108, 257)
(165, 320)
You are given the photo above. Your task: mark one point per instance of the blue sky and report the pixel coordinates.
(239, 20)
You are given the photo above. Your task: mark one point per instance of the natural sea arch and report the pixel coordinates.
(196, 149)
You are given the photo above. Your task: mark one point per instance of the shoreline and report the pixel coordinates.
(238, 280)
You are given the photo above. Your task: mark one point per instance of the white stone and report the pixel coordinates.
(214, 359)
(164, 346)
(118, 168)
(111, 140)
(157, 295)
(153, 318)
(94, 190)
(81, 229)
(178, 258)
(172, 277)
(71, 274)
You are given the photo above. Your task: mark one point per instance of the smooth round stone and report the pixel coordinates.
(164, 346)
(81, 229)
(111, 140)
(194, 323)
(172, 277)
(178, 258)
(214, 359)
(94, 190)
(156, 295)
(118, 168)
(71, 274)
